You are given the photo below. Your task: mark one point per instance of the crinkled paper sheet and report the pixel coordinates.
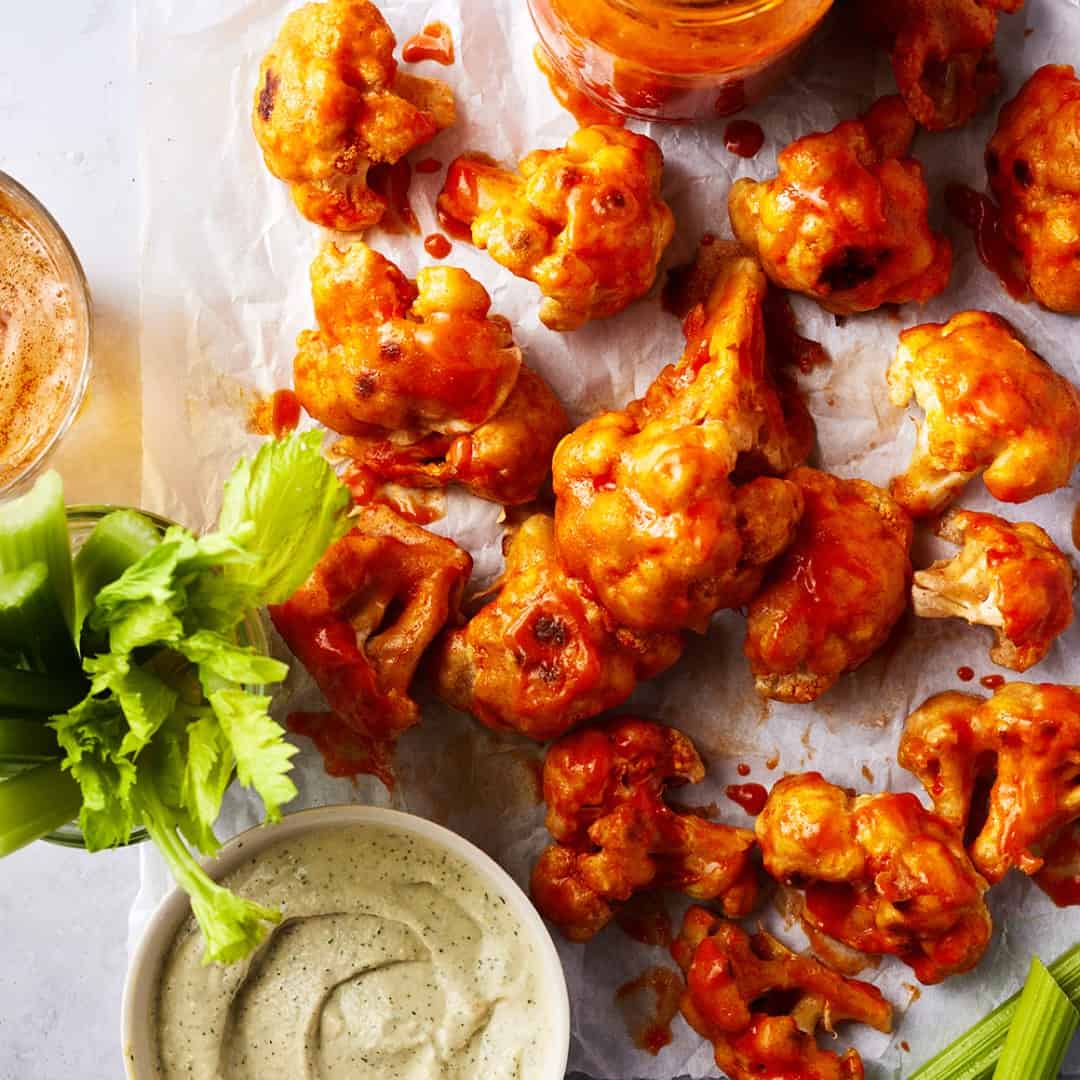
(225, 291)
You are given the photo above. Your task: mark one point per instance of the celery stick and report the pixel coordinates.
(1041, 1030)
(26, 741)
(30, 692)
(33, 528)
(35, 803)
(975, 1054)
(31, 622)
(119, 540)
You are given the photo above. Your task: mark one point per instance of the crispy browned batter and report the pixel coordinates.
(648, 513)
(845, 219)
(330, 102)
(1033, 161)
(615, 835)
(992, 406)
(427, 385)
(881, 873)
(542, 655)
(1013, 578)
(585, 223)
(361, 624)
(732, 977)
(942, 54)
(833, 599)
(1024, 745)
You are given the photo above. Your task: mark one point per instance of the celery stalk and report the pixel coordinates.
(975, 1054)
(31, 622)
(29, 692)
(35, 803)
(33, 528)
(1041, 1030)
(26, 741)
(119, 540)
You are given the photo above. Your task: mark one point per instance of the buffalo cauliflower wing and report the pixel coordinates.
(427, 386)
(942, 54)
(845, 219)
(585, 223)
(881, 873)
(1033, 161)
(1023, 745)
(832, 600)
(615, 835)
(542, 655)
(360, 626)
(647, 511)
(991, 405)
(330, 103)
(1011, 577)
(731, 977)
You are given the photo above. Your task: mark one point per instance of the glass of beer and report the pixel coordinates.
(46, 332)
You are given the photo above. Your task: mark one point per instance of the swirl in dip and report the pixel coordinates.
(395, 958)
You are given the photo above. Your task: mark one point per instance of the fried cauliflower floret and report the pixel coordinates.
(1033, 162)
(615, 835)
(881, 873)
(942, 54)
(360, 626)
(728, 973)
(1011, 577)
(585, 223)
(543, 655)
(832, 600)
(1024, 744)
(845, 219)
(330, 103)
(507, 459)
(647, 512)
(991, 404)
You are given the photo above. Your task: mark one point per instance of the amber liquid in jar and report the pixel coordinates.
(674, 60)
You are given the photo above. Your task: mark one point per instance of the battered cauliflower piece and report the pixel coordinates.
(507, 459)
(330, 103)
(845, 219)
(730, 979)
(647, 511)
(1033, 161)
(585, 223)
(942, 54)
(360, 626)
(426, 384)
(615, 835)
(1011, 577)
(881, 873)
(991, 404)
(833, 599)
(543, 655)
(1024, 744)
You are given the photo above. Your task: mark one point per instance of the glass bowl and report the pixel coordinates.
(18, 203)
(81, 522)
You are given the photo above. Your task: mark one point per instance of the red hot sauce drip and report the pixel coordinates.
(992, 682)
(744, 138)
(751, 797)
(434, 42)
(1076, 528)
(650, 1028)
(437, 246)
(965, 674)
(981, 215)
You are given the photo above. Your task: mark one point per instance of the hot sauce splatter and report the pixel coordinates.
(434, 42)
(992, 682)
(772, 762)
(751, 797)
(437, 246)
(649, 1004)
(980, 214)
(868, 776)
(277, 415)
(645, 918)
(392, 183)
(743, 769)
(428, 165)
(577, 103)
(744, 137)
(965, 674)
(1076, 528)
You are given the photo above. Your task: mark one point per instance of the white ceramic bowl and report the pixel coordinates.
(142, 978)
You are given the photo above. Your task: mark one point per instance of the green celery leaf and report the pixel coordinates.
(208, 769)
(230, 662)
(146, 701)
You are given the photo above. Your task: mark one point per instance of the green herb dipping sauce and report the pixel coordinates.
(395, 959)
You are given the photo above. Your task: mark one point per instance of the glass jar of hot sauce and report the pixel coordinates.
(673, 60)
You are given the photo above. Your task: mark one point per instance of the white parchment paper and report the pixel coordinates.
(225, 291)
